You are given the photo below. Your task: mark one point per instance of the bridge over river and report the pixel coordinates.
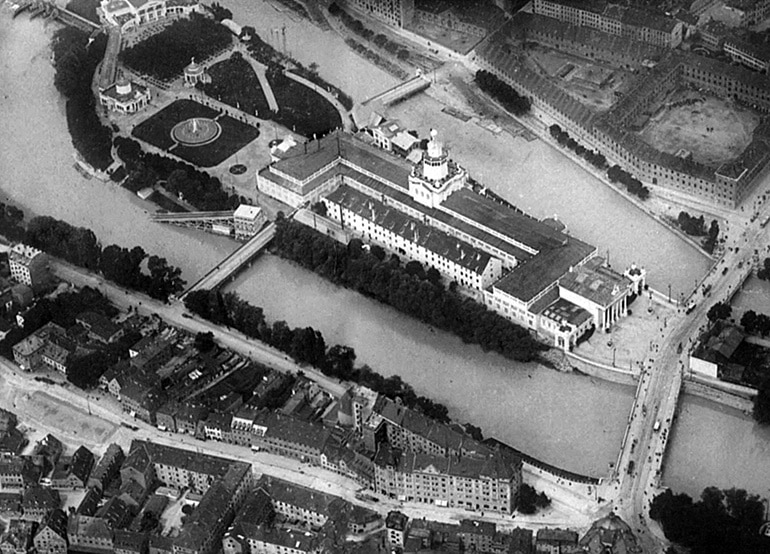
(637, 475)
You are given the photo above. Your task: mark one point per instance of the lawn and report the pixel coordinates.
(301, 109)
(234, 82)
(157, 131)
(166, 54)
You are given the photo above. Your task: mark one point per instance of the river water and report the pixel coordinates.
(571, 421)
(719, 446)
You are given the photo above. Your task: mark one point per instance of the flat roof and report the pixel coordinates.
(520, 227)
(596, 282)
(532, 277)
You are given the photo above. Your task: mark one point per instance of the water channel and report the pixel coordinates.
(568, 420)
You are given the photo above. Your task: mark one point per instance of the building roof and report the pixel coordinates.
(124, 91)
(177, 457)
(727, 341)
(296, 495)
(556, 536)
(564, 311)
(510, 223)
(99, 325)
(396, 521)
(496, 466)
(304, 160)
(244, 211)
(206, 517)
(476, 527)
(56, 522)
(37, 497)
(411, 229)
(288, 428)
(426, 427)
(535, 275)
(88, 526)
(595, 282)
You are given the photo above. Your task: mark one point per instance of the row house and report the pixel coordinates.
(90, 534)
(476, 483)
(74, 473)
(38, 502)
(51, 537)
(108, 467)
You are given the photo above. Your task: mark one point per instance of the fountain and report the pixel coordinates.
(196, 131)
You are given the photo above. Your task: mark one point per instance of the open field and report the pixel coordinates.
(157, 131)
(713, 129)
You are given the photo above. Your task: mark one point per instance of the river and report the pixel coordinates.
(567, 420)
(716, 445)
(571, 421)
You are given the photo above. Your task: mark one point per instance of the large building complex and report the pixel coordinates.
(397, 13)
(126, 14)
(614, 19)
(428, 211)
(614, 132)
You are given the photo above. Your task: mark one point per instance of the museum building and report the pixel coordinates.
(428, 212)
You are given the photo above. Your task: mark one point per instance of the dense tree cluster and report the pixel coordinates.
(755, 323)
(197, 187)
(695, 226)
(364, 32)
(721, 521)
(80, 247)
(414, 292)
(530, 501)
(720, 310)
(305, 345)
(596, 159)
(633, 185)
(502, 92)
(75, 60)
(166, 54)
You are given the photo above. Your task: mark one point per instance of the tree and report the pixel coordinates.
(165, 279)
(339, 361)
(530, 501)
(720, 310)
(204, 342)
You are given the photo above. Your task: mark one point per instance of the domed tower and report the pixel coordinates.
(123, 87)
(435, 177)
(435, 162)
